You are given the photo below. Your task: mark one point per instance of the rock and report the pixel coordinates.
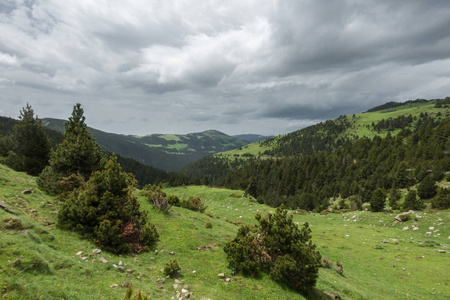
(27, 191)
(114, 285)
(440, 251)
(121, 269)
(221, 275)
(176, 286)
(149, 268)
(229, 279)
(431, 228)
(332, 296)
(193, 272)
(96, 251)
(120, 262)
(186, 287)
(103, 260)
(177, 281)
(114, 266)
(156, 252)
(79, 253)
(405, 228)
(384, 242)
(415, 228)
(184, 291)
(395, 240)
(171, 253)
(130, 271)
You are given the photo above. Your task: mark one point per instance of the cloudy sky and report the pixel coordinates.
(238, 66)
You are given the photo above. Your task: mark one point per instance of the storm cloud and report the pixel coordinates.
(246, 66)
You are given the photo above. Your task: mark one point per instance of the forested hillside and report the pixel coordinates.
(395, 146)
(168, 152)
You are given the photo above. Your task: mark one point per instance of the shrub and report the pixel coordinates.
(279, 248)
(105, 210)
(194, 203)
(326, 263)
(340, 268)
(208, 225)
(172, 268)
(404, 217)
(427, 189)
(378, 200)
(136, 296)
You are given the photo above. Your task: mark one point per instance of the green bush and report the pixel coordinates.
(172, 268)
(412, 202)
(194, 203)
(279, 248)
(208, 225)
(105, 210)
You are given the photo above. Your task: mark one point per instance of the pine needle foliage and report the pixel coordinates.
(105, 210)
(279, 248)
(29, 145)
(79, 154)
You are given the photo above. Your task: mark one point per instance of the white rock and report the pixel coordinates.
(415, 228)
(405, 228)
(193, 272)
(184, 291)
(431, 228)
(96, 251)
(79, 253)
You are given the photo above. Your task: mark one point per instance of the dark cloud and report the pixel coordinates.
(237, 66)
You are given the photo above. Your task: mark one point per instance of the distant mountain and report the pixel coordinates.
(168, 152)
(251, 138)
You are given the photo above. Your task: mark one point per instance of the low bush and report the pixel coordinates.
(172, 268)
(194, 203)
(279, 248)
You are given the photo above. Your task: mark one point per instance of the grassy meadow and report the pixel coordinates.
(381, 260)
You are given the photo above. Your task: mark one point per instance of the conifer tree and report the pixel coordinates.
(378, 200)
(75, 159)
(401, 176)
(427, 188)
(412, 202)
(29, 144)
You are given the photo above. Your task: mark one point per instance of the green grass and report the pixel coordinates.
(39, 261)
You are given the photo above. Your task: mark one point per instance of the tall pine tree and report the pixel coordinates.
(29, 145)
(75, 159)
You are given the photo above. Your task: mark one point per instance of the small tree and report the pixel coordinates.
(401, 176)
(427, 189)
(279, 248)
(378, 200)
(29, 145)
(78, 155)
(105, 210)
(412, 202)
(394, 197)
(442, 199)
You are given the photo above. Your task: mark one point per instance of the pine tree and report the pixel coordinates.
(75, 159)
(394, 197)
(412, 202)
(378, 200)
(401, 176)
(427, 188)
(29, 144)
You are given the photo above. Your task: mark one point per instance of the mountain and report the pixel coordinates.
(168, 152)
(351, 155)
(251, 138)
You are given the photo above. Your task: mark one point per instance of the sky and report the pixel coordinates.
(238, 66)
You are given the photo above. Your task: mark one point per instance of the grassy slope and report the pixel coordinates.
(50, 268)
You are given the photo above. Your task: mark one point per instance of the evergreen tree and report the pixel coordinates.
(394, 197)
(427, 188)
(378, 200)
(106, 210)
(401, 176)
(75, 159)
(412, 202)
(442, 199)
(29, 145)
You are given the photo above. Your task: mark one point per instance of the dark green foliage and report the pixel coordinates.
(278, 248)
(130, 295)
(29, 145)
(427, 189)
(401, 176)
(393, 104)
(394, 197)
(340, 268)
(442, 199)
(172, 268)
(208, 225)
(105, 210)
(77, 154)
(378, 200)
(412, 202)
(156, 196)
(195, 204)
